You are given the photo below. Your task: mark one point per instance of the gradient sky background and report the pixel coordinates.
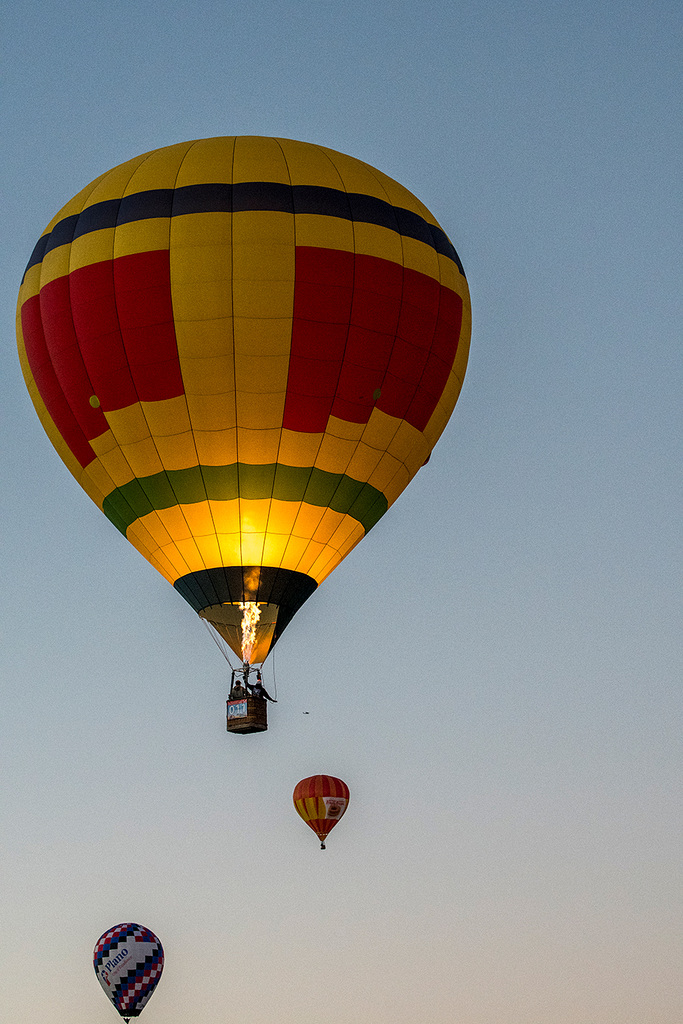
(494, 671)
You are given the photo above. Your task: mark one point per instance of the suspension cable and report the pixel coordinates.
(274, 681)
(220, 644)
(223, 648)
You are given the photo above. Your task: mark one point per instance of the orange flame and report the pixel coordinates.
(252, 613)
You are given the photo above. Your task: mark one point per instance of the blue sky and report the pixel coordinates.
(495, 671)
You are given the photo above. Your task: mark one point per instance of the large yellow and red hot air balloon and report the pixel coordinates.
(244, 349)
(321, 801)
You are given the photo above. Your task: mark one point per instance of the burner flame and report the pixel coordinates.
(252, 614)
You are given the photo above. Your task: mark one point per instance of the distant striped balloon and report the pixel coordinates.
(244, 349)
(128, 961)
(321, 801)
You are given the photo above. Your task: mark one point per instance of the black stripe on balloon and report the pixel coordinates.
(286, 588)
(242, 197)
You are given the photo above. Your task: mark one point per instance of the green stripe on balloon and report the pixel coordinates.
(336, 491)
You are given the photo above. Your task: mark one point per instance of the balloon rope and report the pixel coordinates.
(274, 682)
(218, 644)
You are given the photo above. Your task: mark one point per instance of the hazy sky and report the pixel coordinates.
(495, 671)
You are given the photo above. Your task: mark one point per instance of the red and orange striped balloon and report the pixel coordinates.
(244, 349)
(321, 801)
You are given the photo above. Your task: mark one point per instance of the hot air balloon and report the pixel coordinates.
(128, 962)
(321, 801)
(244, 349)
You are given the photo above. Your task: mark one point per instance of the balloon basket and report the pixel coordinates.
(247, 714)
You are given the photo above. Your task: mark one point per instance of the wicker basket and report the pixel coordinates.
(247, 714)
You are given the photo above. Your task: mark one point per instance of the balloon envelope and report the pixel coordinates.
(321, 801)
(128, 961)
(244, 349)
